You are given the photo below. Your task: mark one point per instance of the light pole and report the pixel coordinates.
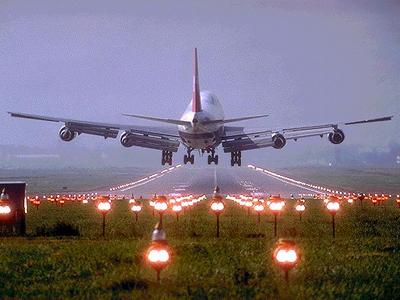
(217, 206)
(5, 209)
(258, 208)
(161, 205)
(136, 207)
(276, 206)
(333, 206)
(177, 208)
(104, 206)
(286, 255)
(300, 208)
(158, 254)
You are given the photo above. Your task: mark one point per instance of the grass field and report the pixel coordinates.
(361, 263)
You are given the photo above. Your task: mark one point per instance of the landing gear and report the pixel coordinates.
(188, 157)
(166, 157)
(236, 158)
(212, 157)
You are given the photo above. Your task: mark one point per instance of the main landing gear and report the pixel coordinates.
(166, 157)
(188, 158)
(236, 158)
(212, 157)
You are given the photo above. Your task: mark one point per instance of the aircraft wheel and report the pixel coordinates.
(185, 159)
(216, 159)
(209, 159)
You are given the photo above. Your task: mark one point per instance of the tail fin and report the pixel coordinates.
(196, 104)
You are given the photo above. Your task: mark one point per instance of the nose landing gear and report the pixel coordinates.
(188, 158)
(236, 158)
(166, 157)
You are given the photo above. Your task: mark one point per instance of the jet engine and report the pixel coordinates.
(126, 139)
(336, 137)
(279, 141)
(67, 134)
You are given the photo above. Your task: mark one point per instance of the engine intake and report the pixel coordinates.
(279, 141)
(336, 137)
(67, 134)
(126, 139)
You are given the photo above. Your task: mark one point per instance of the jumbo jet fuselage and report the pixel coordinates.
(200, 135)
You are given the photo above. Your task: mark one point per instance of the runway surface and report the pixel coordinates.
(193, 180)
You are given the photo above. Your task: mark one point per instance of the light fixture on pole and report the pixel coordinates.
(286, 255)
(177, 208)
(300, 208)
(161, 205)
(136, 207)
(258, 208)
(158, 255)
(276, 205)
(217, 206)
(333, 206)
(5, 208)
(104, 206)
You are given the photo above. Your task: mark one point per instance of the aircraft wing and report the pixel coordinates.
(237, 139)
(161, 138)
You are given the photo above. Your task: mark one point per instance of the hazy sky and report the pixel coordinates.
(303, 62)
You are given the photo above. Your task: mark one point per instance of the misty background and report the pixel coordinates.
(302, 62)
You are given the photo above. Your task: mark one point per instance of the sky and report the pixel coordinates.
(301, 62)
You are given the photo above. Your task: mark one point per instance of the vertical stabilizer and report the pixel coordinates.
(196, 104)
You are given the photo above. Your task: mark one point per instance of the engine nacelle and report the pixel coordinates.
(336, 137)
(126, 139)
(279, 141)
(67, 134)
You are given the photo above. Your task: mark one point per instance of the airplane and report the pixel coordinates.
(201, 127)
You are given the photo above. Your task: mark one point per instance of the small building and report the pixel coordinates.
(13, 208)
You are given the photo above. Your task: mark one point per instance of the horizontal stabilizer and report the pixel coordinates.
(233, 120)
(169, 121)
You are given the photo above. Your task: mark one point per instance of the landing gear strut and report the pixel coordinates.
(212, 157)
(166, 157)
(236, 158)
(188, 158)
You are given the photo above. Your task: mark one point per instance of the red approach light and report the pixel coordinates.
(276, 205)
(158, 255)
(104, 205)
(286, 255)
(300, 207)
(5, 208)
(258, 207)
(161, 204)
(217, 205)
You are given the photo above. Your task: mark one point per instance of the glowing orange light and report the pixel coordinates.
(158, 256)
(286, 256)
(333, 206)
(5, 209)
(104, 205)
(161, 204)
(136, 208)
(259, 207)
(217, 206)
(300, 207)
(276, 206)
(177, 208)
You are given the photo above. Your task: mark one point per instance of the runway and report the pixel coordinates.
(194, 180)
